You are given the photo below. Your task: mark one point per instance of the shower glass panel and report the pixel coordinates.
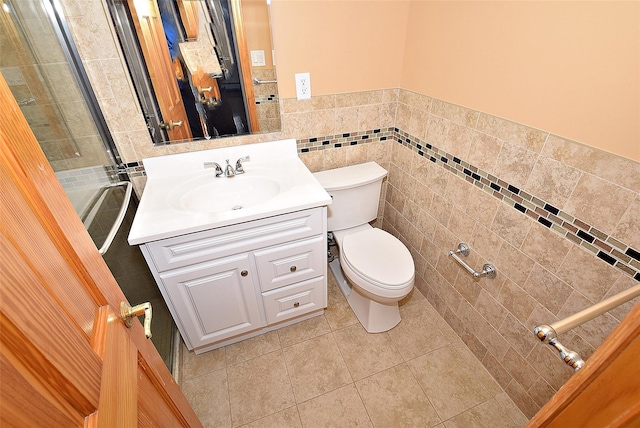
(41, 66)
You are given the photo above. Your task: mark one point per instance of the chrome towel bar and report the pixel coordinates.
(262, 82)
(488, 270)
(118, 222)
(548, 333)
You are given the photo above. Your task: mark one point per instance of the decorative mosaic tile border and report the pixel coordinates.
(93, 176)
(601, 245)
(271, 98)
(346, 139)
(605, 247)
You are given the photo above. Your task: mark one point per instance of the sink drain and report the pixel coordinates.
(237, 207)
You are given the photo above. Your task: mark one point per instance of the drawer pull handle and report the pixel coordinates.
(296, 304)
(244, 273)
(293, 268)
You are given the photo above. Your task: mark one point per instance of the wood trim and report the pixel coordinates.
(608, 356)
(245, 66)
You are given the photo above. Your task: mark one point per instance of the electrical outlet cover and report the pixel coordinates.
(303, 86)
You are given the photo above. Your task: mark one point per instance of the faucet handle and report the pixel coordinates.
(228, 170)
(239, 168)
(215, 165)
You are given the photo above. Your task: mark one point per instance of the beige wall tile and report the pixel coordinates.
(457, 114)
(547, 288)
(514, 264)
(522, 399)
(590, 276)
(417, 125)
(622, 283)
(516, 300)
(522, 135)
(519, 337)
(546, 247)
(484, 151)
(511, 225)
(514, 164)
(347, 119)
(628, 228)
(437, 130)
(552, 181)
(608, 166)
(482, 206)
(599, 202)
(458, 141)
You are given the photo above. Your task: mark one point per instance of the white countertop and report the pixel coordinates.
(160, 216)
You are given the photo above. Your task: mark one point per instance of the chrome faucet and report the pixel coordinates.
(215, 165)
(239, 168)
(228, 170)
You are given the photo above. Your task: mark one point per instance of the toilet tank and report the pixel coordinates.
(355, 192)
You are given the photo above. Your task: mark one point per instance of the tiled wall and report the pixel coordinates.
(267, 100)
(559, 220)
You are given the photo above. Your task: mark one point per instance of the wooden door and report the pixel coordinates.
(66, 358)
(189, 16)
(606, 391)
(153, 42)
(245, 65)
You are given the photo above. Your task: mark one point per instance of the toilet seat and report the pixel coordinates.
(379, 258)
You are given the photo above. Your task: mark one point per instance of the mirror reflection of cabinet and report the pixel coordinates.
(190, 65)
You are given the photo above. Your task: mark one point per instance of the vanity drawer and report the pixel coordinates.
(293, 300)
(291, 262)
(224, 241)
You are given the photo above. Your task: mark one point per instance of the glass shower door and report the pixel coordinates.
(41, 67)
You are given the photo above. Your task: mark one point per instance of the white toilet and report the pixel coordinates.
(379, 269)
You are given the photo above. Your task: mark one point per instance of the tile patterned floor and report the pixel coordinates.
(329, 372)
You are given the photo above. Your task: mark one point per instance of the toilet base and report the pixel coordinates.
(375, 317)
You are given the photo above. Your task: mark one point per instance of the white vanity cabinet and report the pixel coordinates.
(229, 283)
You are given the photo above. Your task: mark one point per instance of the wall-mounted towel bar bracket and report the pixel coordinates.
(547, 335)
(488, 270)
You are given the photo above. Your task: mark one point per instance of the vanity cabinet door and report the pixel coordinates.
(214, 300)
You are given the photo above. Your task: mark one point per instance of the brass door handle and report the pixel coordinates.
(128, 313)
(169, 126)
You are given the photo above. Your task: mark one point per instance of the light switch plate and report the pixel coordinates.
(257, 59)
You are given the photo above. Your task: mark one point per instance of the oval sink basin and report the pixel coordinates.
(209, 194)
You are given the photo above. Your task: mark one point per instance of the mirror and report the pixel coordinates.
(201, 68)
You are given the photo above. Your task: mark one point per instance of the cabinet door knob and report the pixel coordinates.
(296, 304)
(293, 268)
(244, 273)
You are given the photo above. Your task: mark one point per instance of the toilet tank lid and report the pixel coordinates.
(350, 176)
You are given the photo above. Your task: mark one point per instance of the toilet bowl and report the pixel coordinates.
(374, 269)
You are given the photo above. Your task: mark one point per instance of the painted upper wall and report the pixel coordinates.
(346, 45)
(571, 68)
